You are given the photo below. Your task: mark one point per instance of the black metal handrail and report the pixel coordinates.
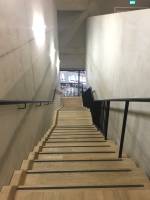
(25, 102)
(128, 99)
(100, 112)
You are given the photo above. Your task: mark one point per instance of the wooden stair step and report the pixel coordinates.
(74, 161)
(78, 152)
(87, 156)
(81, 113)
(71, 114)
(75, 136)
(76, 140)
(71, 144)
(80, 127)
(80, 194)
(78, 171)
(85, 126)
(72, 141)
(81, 121)
(77, 146)
(78, 149)
(74, 112)
(76, 128)
(82, 165)
(74, 115)
(86, 179)
(74, 118)
(75, 132)
(74, 122)
(83, 134)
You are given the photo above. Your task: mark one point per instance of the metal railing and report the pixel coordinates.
(28, 102)
(100, 113)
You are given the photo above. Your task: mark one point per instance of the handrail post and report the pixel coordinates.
(22, 108)
(100, 119)
(123, 128)
(107, 118)
(82, 87)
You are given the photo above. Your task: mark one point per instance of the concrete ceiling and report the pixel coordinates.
(102, 6)
(72, 5)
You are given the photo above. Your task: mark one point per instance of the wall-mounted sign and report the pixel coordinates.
(132, 2)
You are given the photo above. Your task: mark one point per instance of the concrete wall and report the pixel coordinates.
(72, 39)
(72, 16)
(97, 6)
(118, 61)
(70, 5)
(28, 70)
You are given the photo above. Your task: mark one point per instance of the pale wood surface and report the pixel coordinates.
(72, 132)
(86, 178)
(77, 144)
(126, 164)
(56, 136)
(74, 154)
(89, 156)
(94, 194)
(75, 140)
(78, 149)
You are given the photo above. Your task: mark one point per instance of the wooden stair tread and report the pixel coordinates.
(80, 136)
(76, 127)
(86, 179)
(74, 161)
(74, 122)
(68, 126)
(78, 149)
(78, 144)
(70, 134)
(76, 140)
(75, 132)
(89, 156)
(95, 194)
(82, 165)
(75, 135)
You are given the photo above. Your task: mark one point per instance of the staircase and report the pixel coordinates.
(73, 161)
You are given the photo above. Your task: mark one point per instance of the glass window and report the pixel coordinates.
(72, 82)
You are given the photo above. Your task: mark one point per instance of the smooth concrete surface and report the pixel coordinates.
(97, 6)
(29, 68)
(71, 28)
(72, 16)
(118, 66)
(69, 5)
